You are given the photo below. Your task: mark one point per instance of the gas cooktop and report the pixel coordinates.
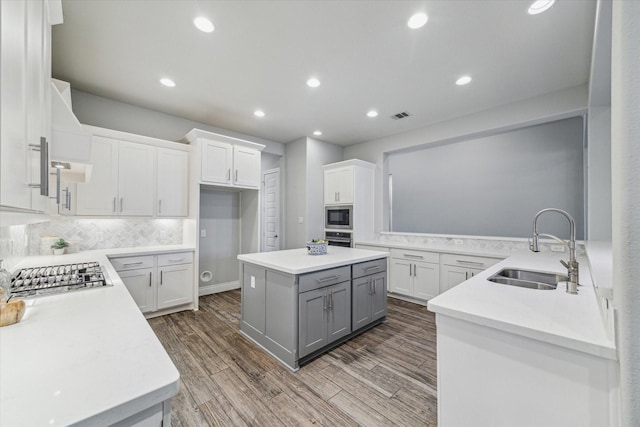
(57, 279)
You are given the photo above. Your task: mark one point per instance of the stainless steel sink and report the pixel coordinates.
(528, 278)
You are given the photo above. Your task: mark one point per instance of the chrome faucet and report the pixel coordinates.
(572, 265)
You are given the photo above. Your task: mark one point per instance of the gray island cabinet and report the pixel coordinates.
(296, 306)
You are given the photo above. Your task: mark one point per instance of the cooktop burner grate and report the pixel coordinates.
(57, 279)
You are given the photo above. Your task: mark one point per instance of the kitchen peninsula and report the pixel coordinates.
(296, 306)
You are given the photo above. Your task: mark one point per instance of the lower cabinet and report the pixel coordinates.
(415, 273)
(455, 269)
(369, 299)
(324, 316)
(157, 282)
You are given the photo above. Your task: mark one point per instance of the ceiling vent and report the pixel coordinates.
(401, 115)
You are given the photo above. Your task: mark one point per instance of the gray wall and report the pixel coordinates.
(220, 216)
(104, 112)
(599, 174)
(492, 186)
(553, 106)
(296, 193)
(318, 154)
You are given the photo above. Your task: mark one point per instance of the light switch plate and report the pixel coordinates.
(253, 281)
(300, 220)
(99, 236)
(203, 233)
(557, 248)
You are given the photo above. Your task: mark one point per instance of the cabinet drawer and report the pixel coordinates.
(414, 255)
(320, 279)
(468, 261)
(177, 258)
(132, 262)
(369, 267)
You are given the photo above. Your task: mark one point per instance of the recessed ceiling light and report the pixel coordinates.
(463, 80)
(167, 82)
(540, 6)
(317, 133)
(313, 82)
(372, 113)
(203, 24)
(258, 113)
(417, 20)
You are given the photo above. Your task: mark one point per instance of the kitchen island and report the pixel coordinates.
(87, 357)
(509, 355)
(297, 306)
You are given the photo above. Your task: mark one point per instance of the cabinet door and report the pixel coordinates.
(246, 163)
(452, 276)
(13, 118)
(331, 186)
(172, 182)
(99, 195)
(339, 311)
(362, 292)
(345, 189)
(426, 280)
(312, 321)
(175, 285)
(401, 276)
(139, 283)
(216, 162)
(136, 179)
(379, 297)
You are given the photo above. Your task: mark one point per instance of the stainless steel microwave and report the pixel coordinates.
(338, 217)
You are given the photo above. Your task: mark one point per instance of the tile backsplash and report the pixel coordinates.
(86, 234)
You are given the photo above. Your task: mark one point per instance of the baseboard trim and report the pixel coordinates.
(220, 287)
(407, 298)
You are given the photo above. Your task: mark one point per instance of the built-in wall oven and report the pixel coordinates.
(338, 238)
(338, 217)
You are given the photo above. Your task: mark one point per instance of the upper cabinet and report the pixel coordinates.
(226, 161)
(25, 114)
(130, 177)
(172, 183)
(338, 186)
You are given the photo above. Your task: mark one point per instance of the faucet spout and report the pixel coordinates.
(572, 265)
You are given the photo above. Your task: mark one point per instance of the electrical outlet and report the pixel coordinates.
(99, 236)
(203, 233)
(300, 220)
(557, 248)
(163, 234)
(458, 242)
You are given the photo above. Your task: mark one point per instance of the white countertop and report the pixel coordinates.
(297, 261)
(600, 256)
(87, 356)
(429, 247)
(552, 316)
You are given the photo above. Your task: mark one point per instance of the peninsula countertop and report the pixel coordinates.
(552, 316)
(297, 261)
(82, 357)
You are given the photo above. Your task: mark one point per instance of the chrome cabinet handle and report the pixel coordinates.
(68, 199)
(466, 275)
(132, 263)
(331, 300)
(159, 206)
(373, 285)
(44, 167)
(324, 301)
(375, 267)
(236, 175)
(149, 279)
(229, 174)
(460, 261)
(161, 277)
(413, 256)
(175, 260)
(121, 204)
(114, 204)
(326, 279)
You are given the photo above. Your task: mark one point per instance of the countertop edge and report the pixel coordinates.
(250, 260)
(439, 249)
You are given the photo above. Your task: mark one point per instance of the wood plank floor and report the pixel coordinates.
(387, 376)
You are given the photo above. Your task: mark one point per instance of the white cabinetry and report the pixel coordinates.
(122, 179)
(25, 70)
(157, 282)
(455, 269)
(172, 182)
(414, 273)
(134, 179)
(226, 161)
(338, 186)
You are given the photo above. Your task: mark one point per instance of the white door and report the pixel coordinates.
(136, 179)
(216, 162)
(246, 162)
(426, 280)
(271, 216)
(98, 196)
(175, 285)
(401, 277)
(172, 182)
(345, 190)
(331, 186)
(139, 283)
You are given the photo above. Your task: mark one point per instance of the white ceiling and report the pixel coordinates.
(262, 52)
